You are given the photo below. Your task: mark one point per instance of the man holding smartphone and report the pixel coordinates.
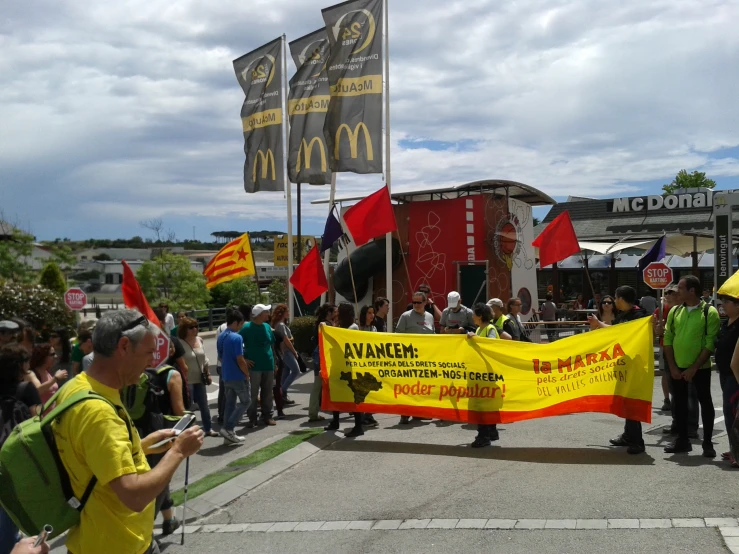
(456, 318)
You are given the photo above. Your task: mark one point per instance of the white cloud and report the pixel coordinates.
(116, 112)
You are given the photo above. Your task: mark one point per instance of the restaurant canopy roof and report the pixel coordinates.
(501, 187)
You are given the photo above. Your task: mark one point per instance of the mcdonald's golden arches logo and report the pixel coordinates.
(353, 138)
(306, 149)
(268, 160)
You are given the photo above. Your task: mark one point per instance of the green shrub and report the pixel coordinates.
(303, 329)
(51, 278)
(39, 306)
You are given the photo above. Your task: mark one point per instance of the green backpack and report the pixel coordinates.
(35, 489)
(142, 401)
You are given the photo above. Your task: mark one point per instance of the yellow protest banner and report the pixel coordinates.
(481, 380)
(308, 242)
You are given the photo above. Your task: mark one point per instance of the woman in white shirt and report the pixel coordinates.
(198, 376)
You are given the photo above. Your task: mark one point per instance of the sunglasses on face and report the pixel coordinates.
(418, 302)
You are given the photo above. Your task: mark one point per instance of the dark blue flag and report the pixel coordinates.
(331, 233)
(655, 254)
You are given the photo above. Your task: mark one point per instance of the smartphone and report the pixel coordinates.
(182, 424)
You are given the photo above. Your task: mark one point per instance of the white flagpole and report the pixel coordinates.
(389, 236)
(288, 187)
(327, 254)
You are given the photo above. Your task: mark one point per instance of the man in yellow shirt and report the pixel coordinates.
(97, 441)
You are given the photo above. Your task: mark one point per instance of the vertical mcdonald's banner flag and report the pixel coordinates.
(308, 99)
(308, 278)
(260, 75)
(353, 127)
(232, 261)
(479, 380)
(371, 218)
(133, 296)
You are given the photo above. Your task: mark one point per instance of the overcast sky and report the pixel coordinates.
(114, 112)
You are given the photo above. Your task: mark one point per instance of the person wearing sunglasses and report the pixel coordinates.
(97, 438)
(429, 304)
(607, 309)
(417, 321)
(42, 360)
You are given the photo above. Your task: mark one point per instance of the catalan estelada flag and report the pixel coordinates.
(233, 261)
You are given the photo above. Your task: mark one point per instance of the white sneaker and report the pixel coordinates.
(238, 437)
(229, 437)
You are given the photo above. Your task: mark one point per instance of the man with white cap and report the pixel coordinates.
(8, 331)
(258, 348)
(456, 318)
(503, 325)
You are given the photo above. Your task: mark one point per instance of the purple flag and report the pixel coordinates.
(331, 233)
(655, 254)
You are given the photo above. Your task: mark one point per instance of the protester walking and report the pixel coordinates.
(198, 370)
(726, 346)
(347, 321)
(98, 439)
(60, 340)
(690, 336)
(42, 360)
(514, 316)
(286, 348)
(627, 311)
(482, 316)
(235, 369)
(325, 315)
(258, 344)
(456, 318)
(381, 305)
(503, 325)
(416, 321)
(367, 319)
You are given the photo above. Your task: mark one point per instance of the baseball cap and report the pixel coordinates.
(452, 299)
(495, 302)
(8, 326)
(671, 288)
(259, 309)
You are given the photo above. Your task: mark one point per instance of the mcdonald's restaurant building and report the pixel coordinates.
(615, 233)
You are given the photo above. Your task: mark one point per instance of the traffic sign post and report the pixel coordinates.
(657, 275)
(75, 299)
(162, 352)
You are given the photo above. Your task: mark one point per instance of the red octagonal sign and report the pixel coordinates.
(162, 351)
(657, 275)
(75, 299)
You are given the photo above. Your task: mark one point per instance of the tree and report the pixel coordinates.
(52, 278)
(685, 180)
(63, 257)
(102, 257)
(536, 221)
(277, 291)
(15, 247)
(234, 293)
(170, 277)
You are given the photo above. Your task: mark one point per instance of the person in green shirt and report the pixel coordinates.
(690, 334)
(258, 343)
(180, 317)
(80, 350)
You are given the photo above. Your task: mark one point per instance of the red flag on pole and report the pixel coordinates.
(557, 241)
(133, 296)
(370, 218)
(308, 278)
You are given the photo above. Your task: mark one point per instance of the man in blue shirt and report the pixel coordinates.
(235, 376)
(258, 342)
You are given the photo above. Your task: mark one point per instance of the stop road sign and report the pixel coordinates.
(162, 352)
(75, 299)
(657, 275)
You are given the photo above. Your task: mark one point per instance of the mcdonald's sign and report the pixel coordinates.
(267, 161)
(306, 148)
(353, 138)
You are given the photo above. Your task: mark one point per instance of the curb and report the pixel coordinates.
(237, 487)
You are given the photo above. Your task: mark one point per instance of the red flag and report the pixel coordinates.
(370, 218)
(134, 298)
(308, 278)
(558, 241)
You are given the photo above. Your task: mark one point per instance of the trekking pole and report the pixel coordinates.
(184, 504)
